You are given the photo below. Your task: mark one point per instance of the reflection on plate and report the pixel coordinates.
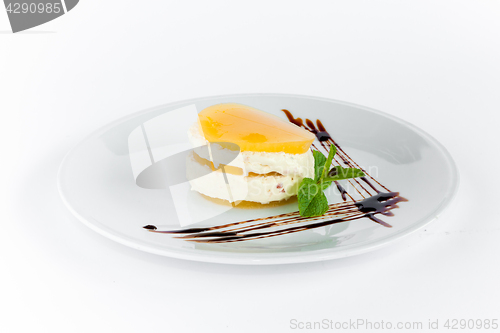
(100, 181)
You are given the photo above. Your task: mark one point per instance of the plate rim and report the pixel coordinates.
(278, 258)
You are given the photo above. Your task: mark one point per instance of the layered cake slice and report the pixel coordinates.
(273, 155)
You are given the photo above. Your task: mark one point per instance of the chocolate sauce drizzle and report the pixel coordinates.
(341, 190)
(372, 204)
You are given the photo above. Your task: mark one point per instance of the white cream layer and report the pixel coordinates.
(262, 188)
(263, 162)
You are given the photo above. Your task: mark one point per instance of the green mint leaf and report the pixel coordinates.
(317, 207)
(329, 160)
(319, 164)
(325, 184)
(339, 173)
(312, 200)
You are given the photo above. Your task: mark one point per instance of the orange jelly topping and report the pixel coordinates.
(253, 130)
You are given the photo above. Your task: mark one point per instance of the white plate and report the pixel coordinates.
(97, 184)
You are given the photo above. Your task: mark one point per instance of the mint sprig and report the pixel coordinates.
(339, 173)
(312, 200)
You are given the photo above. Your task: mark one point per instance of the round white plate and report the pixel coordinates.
(97, 183)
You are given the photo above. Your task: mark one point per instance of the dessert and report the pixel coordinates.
(238, 124)
(269, 155)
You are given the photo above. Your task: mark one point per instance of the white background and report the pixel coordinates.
(433, 63)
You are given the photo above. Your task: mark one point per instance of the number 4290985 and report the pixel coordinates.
(455, 324)
(23, 8)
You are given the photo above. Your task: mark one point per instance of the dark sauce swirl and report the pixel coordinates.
(378, 203)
